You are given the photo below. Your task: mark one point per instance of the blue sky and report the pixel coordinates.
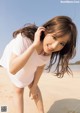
(15, 13)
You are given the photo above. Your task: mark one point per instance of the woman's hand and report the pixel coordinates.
(33, 92)
(37, 35)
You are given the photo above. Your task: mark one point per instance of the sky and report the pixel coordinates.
(16, 13)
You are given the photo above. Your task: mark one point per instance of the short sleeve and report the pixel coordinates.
(20, 44)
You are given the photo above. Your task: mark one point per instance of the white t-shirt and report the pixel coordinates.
(26, 75)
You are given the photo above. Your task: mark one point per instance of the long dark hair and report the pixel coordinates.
(28, 30)
(60, 25)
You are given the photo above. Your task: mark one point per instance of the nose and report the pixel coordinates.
(54, 45)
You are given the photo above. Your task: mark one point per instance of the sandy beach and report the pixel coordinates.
(59, 95)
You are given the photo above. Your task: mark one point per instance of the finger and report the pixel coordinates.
(41, 29)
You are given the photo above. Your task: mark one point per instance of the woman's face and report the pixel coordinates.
(53, 44)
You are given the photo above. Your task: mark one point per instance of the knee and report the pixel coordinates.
(19, 91)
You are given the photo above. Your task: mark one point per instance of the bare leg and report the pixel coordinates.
(38, 101)
(18, 99)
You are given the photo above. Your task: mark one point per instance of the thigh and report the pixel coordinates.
(17, 89)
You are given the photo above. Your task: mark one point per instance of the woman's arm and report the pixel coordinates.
(33, 85)
(17, 62)
(38, 74)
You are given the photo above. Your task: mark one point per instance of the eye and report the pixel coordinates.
(63, 44)
(54, 38)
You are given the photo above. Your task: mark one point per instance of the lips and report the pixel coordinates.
(50, 49)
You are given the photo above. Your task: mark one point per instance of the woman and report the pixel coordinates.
(31, 49)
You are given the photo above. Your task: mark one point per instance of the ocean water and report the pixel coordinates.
(75, 67)
(72, 67)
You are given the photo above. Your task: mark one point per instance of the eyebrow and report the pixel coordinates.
(61, 41)
(54, 36)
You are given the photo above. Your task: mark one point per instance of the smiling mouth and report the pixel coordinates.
(50, 49)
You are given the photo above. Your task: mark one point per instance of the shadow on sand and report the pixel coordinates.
(65, 106)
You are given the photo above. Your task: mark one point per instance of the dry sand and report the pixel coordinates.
(59, 95)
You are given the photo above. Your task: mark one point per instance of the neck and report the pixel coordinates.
(41, 51)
